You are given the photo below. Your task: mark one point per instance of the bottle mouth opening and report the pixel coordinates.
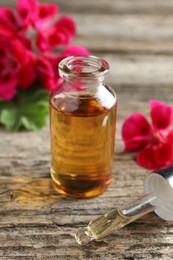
(83, 66)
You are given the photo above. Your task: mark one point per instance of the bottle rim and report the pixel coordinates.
(83, 66)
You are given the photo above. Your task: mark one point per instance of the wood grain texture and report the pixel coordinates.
(136, 38)
(37, 223)
(110, 6)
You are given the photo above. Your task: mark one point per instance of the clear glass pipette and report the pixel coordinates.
(158, 197)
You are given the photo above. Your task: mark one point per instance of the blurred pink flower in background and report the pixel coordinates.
(17, 67)
(27, 39)
(153, 141)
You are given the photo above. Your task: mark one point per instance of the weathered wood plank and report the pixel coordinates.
(129, 33)
(117, 6)
(37, 223)
(55, 228)
(110, 6)
(134, 70)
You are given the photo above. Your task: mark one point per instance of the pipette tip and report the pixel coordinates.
(83, 236)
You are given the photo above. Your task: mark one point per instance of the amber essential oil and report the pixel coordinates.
(82, 143)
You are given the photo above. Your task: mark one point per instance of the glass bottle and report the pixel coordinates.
(82, 126)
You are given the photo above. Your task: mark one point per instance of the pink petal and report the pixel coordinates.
(8, 64)
(21, 53)
(42, 43)
(25, 41)
(27, 10)
(45, 72)
(136, 132)
(5, 31)
(59, 34)
(74, 50)
(58, 38)
(47, 11)
(68, 23)
(163, 153)
(7, 16)
(8, 86)
(135, 144)
(44, 67)
(26, 76)
(4, 50)
(53, 59)
(161, 114)
(9, 20)
(145, 158)
(170, 137)
(49, 83)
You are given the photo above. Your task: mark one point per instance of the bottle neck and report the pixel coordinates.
(83, 73)
(83, 85)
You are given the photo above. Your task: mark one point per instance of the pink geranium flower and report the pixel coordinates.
(27, 37)
(16, 67)
(59, 34)
(49, 34)
(46, 65)
(153, 141)
(10, 22)
(36, 14)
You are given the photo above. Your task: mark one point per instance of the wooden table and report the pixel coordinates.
(136, 38)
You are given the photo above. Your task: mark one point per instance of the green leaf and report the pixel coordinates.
(29, 110)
